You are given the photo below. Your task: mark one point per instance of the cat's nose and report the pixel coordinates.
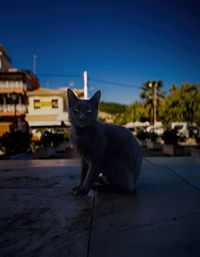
(82, 116)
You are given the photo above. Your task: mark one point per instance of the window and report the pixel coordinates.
(54, 103)
(36, 104)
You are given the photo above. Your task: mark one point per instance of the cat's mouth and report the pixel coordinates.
(83, 124)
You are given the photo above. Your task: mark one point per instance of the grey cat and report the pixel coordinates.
(108, 149)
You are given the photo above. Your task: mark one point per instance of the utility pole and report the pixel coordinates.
(34, 63)
(85, 90)
(154, 102)
(47, 83)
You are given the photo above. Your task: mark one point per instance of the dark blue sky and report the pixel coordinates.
(126, 42)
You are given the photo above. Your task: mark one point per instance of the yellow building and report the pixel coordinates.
(48, 108)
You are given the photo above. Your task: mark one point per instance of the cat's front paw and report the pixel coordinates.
(81, 191)
(74, 189)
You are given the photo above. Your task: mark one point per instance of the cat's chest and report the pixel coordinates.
(84, 143)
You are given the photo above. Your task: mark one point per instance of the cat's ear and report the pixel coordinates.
(95, 98)
(72, 99)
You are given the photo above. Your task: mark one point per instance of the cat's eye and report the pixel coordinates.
(89, 110)
(76, 110)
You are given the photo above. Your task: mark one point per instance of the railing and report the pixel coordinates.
(10, 108)
(12, 85)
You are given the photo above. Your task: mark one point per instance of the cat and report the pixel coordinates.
(111, 150)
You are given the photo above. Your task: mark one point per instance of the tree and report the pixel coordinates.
(137, 112)
(148, 94)
(182, 103)
(112, 108)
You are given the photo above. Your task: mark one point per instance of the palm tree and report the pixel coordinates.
(148, 88)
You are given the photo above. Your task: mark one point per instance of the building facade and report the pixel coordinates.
(14, 86)
(20, 94)
(5, 60)
(48, 108)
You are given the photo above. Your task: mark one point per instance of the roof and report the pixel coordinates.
(79, 92)
(13, 75)
(44, 90)
(47, 92)
(3, 50)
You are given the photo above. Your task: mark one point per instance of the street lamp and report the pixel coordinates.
(193, 91)
(14, 98)
(154, 85)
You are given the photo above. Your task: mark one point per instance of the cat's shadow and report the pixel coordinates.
(103, 188)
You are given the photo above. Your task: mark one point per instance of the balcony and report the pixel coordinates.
(12, 86)
(9, 109)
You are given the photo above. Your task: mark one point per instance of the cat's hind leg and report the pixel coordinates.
(118, 173)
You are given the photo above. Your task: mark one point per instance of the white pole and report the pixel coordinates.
(85, 90)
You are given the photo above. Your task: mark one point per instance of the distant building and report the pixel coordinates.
(5, 60)
(14, 86)
(20, 94)
(48, 108)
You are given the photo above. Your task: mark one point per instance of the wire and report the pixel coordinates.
(59, 75)
(91, 79)
(113, 83)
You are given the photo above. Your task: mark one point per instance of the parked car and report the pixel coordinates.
(185, 129)
(156, 129)
(135, 126)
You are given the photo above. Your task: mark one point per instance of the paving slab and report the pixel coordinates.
(38, 215)
(162, 218)
(186, 167)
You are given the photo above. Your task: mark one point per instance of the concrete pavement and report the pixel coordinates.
(40, 217)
